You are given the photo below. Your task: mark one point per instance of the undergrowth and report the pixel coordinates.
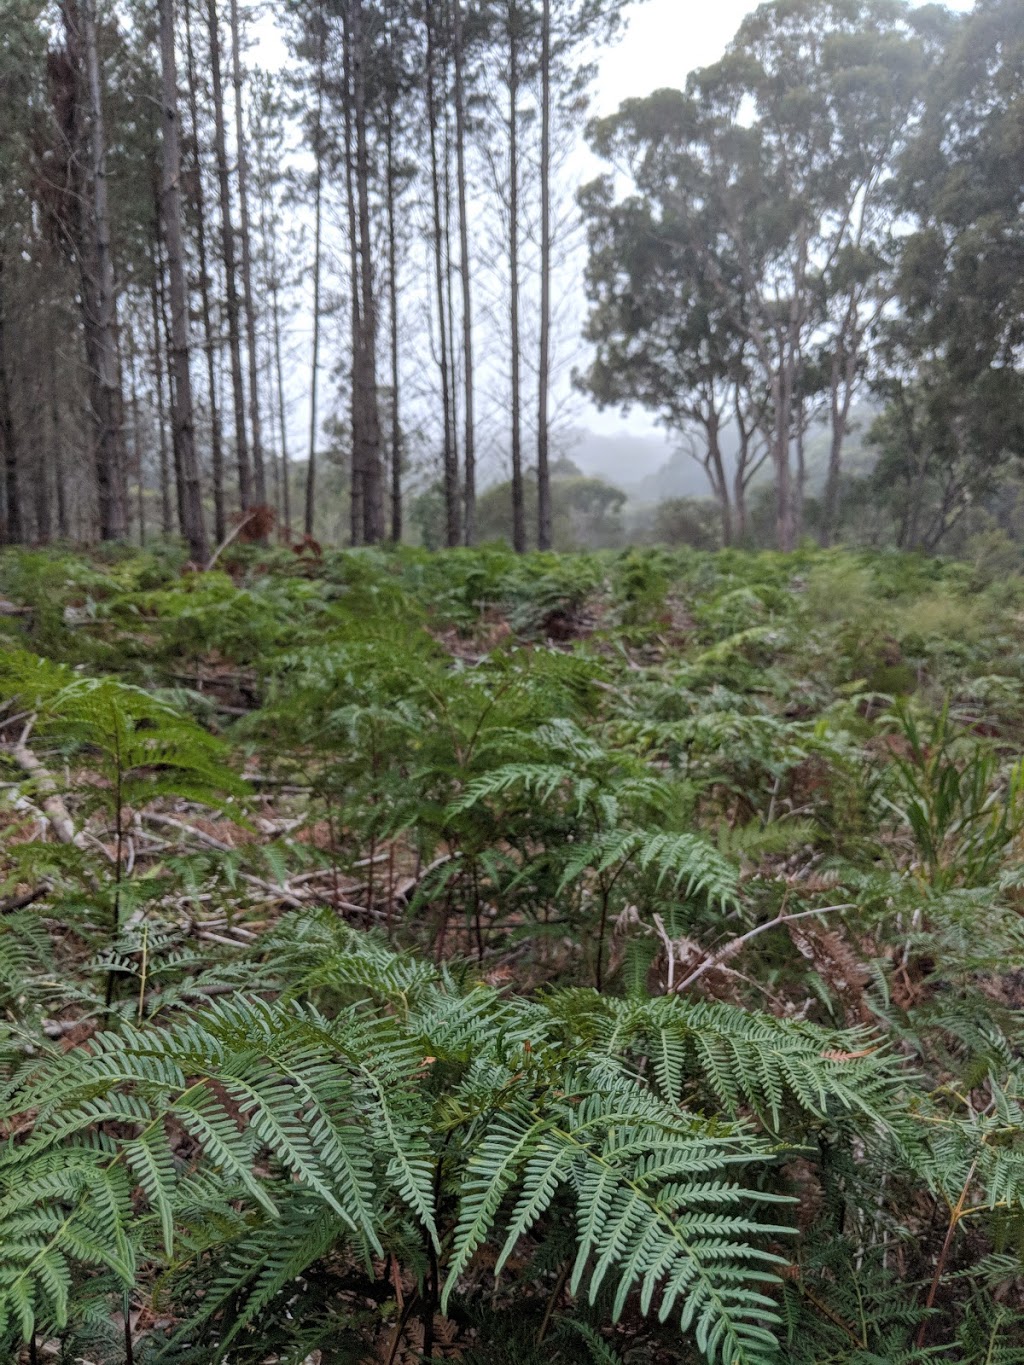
(564, 958)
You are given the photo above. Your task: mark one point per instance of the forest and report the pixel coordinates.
(452, 909)
(363, 292)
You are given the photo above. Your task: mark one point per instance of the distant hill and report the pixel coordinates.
(624, 459)
(651, 469)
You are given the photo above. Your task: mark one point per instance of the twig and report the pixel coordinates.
(191, 830)
(734, 945)
(28, 898)
(233, 534)
(53, 805)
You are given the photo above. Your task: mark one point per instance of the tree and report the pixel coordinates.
(245, 236)
(227, 240)
(85, 148)
(182, 419)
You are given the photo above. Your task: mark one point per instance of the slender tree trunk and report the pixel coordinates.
(165, 323)
(99, 305)
(396, 430)
(373, 492)
(450, 466)
(191, 494)
(57, 460)
(719, 479)
(245, 487)
(13, 527)
(137, 458)
(166, 521)
(259, 472)
(841, 400)
(318, 153)
(544, 368)
(469, 433)
(357, 516)
(216, 432)
(41, 483)
(275, 363)
(518, 509)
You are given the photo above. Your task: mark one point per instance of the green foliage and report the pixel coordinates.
(690, 1026)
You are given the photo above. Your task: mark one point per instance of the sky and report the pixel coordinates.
(663, 41)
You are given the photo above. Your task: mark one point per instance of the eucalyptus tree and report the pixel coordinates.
(771, 182)
(950, 369)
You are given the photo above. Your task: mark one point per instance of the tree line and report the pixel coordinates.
(160, 223)
(192, 249)
(831, 212)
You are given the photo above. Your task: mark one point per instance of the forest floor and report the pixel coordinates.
(647, 923)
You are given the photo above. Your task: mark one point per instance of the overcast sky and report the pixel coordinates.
(663, 41)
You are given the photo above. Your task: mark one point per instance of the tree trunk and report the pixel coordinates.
(469, 432)
(450, 466)
(42, 480)
(518, 510)
(357, 516)
(373, 492)
(166, 521)
(216, 433)
(137, 458)
(396, 430)
(245, 489)
(99, 304)
(318, 153)
(190, 495)
(544, 368)
(286, 495)
(165, 323)
(841, 400)
(259, 473)
(13, 528)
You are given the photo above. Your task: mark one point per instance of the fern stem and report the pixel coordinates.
(940, 1268)
(555, 1295)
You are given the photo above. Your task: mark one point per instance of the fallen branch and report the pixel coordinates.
(52, 802)
(233, 534)
(24, 901)
(734, 945)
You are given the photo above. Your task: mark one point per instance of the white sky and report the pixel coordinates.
(664, 40)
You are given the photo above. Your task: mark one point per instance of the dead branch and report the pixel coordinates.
(734, 945)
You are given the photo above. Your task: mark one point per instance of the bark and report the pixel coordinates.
(165, 324)
(140, 485)
(245, 236)
(318, 153)
(57, 460)
(396, 430)
(518, 511)
(216, 432)
(277, 377)
(469, 430)
(95, 257)
(544, 367)
(13, 528)
(227, 229)
(43, 470)
(190, 489)
(358, 480)
(166, 522)
(373, 500)
(840, 402)
(450, 460)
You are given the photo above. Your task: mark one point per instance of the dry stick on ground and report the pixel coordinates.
(734, 945)
(53, 805)
(232, 535)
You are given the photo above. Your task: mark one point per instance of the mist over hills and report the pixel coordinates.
(652, 468)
